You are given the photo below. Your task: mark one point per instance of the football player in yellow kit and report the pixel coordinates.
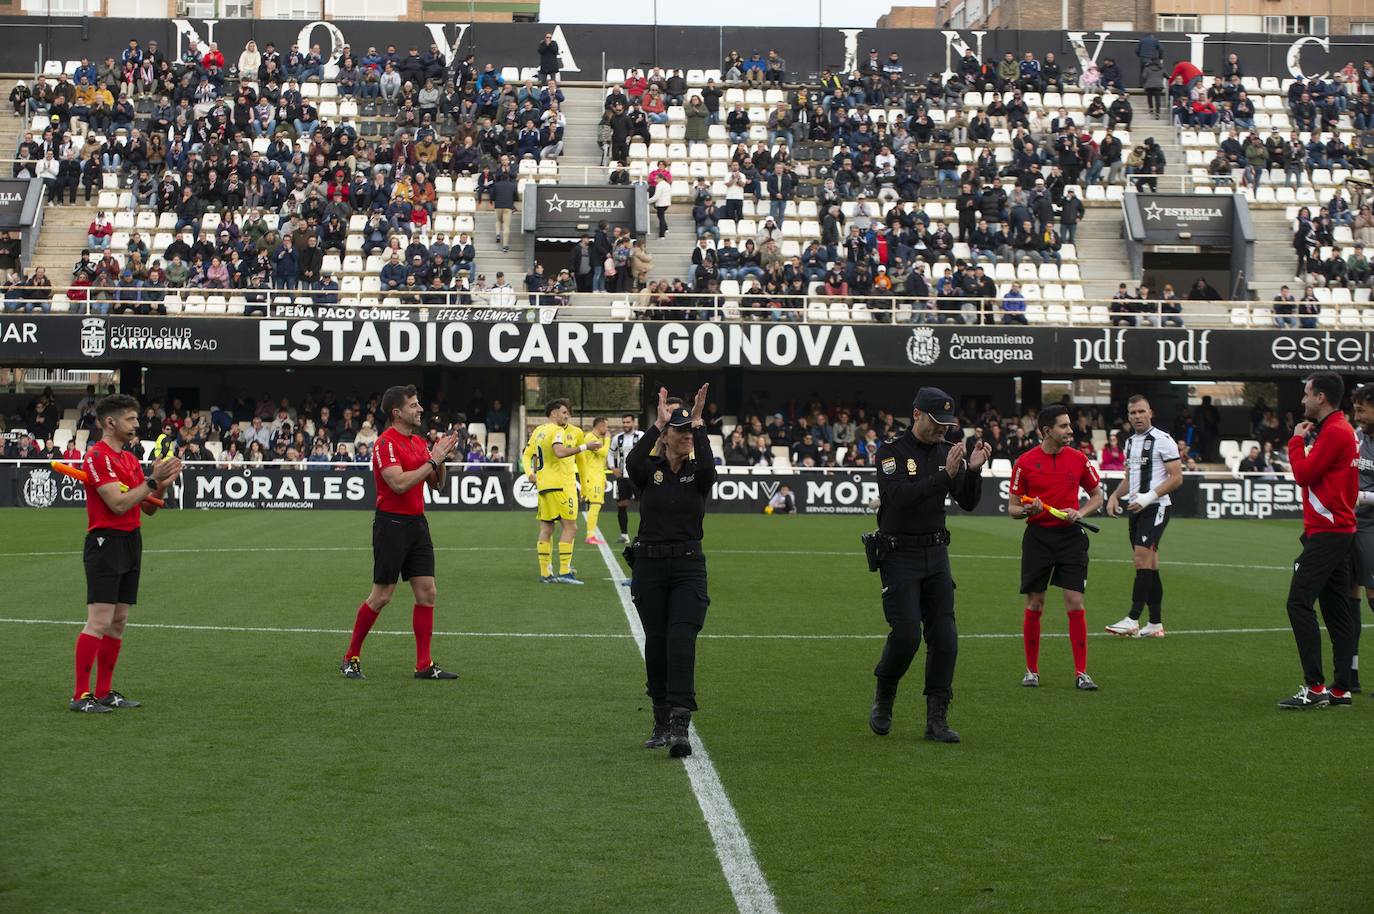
(549, 457)
(591, 472)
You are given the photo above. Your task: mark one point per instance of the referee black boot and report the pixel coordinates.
(880, 718)
(937, 720)
(679, 719)
(659, 738)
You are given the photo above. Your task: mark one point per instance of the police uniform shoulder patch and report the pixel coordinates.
(889, 465)
(658, 477)
(911, 466)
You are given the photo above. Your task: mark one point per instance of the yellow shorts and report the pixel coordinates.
(559, 504)
(594, 494)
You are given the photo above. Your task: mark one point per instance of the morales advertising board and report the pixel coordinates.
(75, 341)
(828, 492)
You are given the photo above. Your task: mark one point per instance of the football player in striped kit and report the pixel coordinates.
(1363, 398)
(622, 442)
(1153, 470)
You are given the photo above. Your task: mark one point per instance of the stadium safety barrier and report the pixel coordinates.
(1046, 303)
(494, 487)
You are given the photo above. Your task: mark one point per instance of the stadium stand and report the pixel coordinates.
(854, 197)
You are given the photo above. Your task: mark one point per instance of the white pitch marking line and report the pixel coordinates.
(615, 636)
(733, 850)
(724, 553)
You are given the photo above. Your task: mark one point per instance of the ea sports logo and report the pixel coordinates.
(923, 348)
(526, 494)
(40, 489)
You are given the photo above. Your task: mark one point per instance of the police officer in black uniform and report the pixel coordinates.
(672, 469)
(916, 471)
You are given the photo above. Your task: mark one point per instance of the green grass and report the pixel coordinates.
(255, 779)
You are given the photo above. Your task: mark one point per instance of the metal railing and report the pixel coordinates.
(1338, 307)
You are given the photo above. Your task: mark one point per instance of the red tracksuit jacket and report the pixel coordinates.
(1329, 474)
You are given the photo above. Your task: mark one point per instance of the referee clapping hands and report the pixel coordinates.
(441, 449)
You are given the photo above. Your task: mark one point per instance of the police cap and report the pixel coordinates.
(936, 403)
(680, 418)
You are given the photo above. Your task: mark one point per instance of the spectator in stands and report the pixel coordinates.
(1014, 305)
(661, 198)
(1358, 266)
(1285, 309)
(1294, 158)
(1250, 463)
(735, 450)
(1305, 243)
(1309, 308)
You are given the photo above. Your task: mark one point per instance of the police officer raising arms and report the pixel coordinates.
(911, 553)
(672, 469)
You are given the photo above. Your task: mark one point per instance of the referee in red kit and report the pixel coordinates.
(116, 490)
(401, 547)
(1325, 460)
(1054, 550)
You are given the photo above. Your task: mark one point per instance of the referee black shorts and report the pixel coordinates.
(1147, 526)
(1054, 555)
(401, 548)
(112, 559)
(624, 491)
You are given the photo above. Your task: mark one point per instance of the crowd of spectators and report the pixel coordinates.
(832, 143)
(323, 431)
(262, 185)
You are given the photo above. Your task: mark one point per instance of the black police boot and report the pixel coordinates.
(880, 718)
(659, 738)
(679, 719)
(937, 723)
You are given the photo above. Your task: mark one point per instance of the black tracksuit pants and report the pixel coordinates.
(918, 601)
(1321, 574)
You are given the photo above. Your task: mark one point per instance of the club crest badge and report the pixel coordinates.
(923, 347)
(889, 465)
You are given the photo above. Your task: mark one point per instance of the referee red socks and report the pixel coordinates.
(1030, 634)
(367, 617)
(1078, 638)
(108, 656)
(87, 648)
(422, 620)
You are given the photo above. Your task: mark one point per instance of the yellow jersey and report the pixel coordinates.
(591, 465)
(552, 472)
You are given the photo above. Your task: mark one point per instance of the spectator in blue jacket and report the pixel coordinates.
(393, 274)
(1014, 305)
(284, 267)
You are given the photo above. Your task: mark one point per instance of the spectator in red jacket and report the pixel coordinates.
(213, 57)
(1324, 458)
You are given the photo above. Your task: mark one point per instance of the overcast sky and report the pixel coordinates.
(835, 13)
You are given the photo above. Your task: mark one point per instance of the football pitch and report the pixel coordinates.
(256, 779)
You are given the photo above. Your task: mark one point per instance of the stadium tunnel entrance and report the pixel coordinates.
(1182, 272)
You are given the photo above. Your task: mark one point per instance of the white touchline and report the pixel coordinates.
(619, 636)
(736, 855)
(723, 555)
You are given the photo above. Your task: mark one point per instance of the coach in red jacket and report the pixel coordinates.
(1324, 457)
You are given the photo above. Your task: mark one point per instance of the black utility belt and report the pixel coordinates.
(879, 545)
(666, 550)
(918, 540)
